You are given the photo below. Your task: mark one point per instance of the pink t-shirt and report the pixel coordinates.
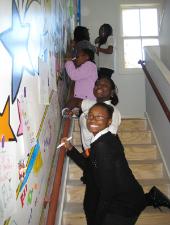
(84, 76)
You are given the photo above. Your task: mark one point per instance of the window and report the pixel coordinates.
(139, 29)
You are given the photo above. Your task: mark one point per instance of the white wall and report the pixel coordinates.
(165, 35)
(157, 117)
(131, 86)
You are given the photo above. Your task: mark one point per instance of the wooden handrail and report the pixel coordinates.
(57, 180)
(157, 93)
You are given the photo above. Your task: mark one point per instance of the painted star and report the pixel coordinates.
(15, 40)
(29, 2)
(5, 128)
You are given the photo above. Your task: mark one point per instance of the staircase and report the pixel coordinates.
(145, 162)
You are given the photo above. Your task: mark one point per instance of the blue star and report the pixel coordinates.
(15, 40)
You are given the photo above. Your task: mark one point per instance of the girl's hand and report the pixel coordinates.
(67, 113)
(75, 111)
(67, 143)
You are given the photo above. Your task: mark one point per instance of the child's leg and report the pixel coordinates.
(90, 203)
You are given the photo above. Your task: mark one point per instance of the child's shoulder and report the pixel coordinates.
(87, 104)
(89, 63)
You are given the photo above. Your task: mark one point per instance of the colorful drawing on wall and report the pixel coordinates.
(23, 196)
(21, 170)
(38, 163)
(45, 138)
(17, 46)
(21, 29)
(5, 127)
(43, 82)
(71, 8)
(52, 74)
(30, 165)
(29, 133)
(20, 128)
(7, 182)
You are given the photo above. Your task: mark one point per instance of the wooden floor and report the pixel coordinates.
(144, 160)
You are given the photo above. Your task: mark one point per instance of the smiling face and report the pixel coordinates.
(103, 90)
(98, 119)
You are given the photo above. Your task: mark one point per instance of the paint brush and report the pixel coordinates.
(60, 145)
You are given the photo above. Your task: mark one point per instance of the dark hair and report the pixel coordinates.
(81, 33)
(88, 52)
(114, 99)
(108, 108)
(107, 30)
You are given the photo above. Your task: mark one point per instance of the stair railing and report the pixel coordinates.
(54, 198)
(155, 89)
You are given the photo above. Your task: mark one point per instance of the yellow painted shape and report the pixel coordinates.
(38, 163)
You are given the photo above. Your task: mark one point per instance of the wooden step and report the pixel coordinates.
(75, 188)
(141, 152)
(147, 169)
(137, 152)
(163, 184)
(126, 125)
(141, 170)
(132, 137)
(74, 215)
(75, 191)
(136, 137)
(133, 124)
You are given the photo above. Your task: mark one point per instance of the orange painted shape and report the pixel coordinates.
(5, 128)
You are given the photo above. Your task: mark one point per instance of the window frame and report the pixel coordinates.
(122, 69)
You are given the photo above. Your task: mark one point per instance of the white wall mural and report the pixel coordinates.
(33, 39)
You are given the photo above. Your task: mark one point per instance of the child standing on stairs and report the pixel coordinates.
(113, 196)
(83, 71)
(104, 90)
(104, 49)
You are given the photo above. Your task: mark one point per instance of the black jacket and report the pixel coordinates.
(110, 184)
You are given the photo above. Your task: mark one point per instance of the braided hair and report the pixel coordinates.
(107, 30)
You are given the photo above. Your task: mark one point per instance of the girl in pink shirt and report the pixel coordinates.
(83, 71)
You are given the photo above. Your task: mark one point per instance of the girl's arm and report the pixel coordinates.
(74, 154)
(108, 50)
(116, 121)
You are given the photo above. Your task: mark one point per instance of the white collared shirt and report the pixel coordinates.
(94, 138)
